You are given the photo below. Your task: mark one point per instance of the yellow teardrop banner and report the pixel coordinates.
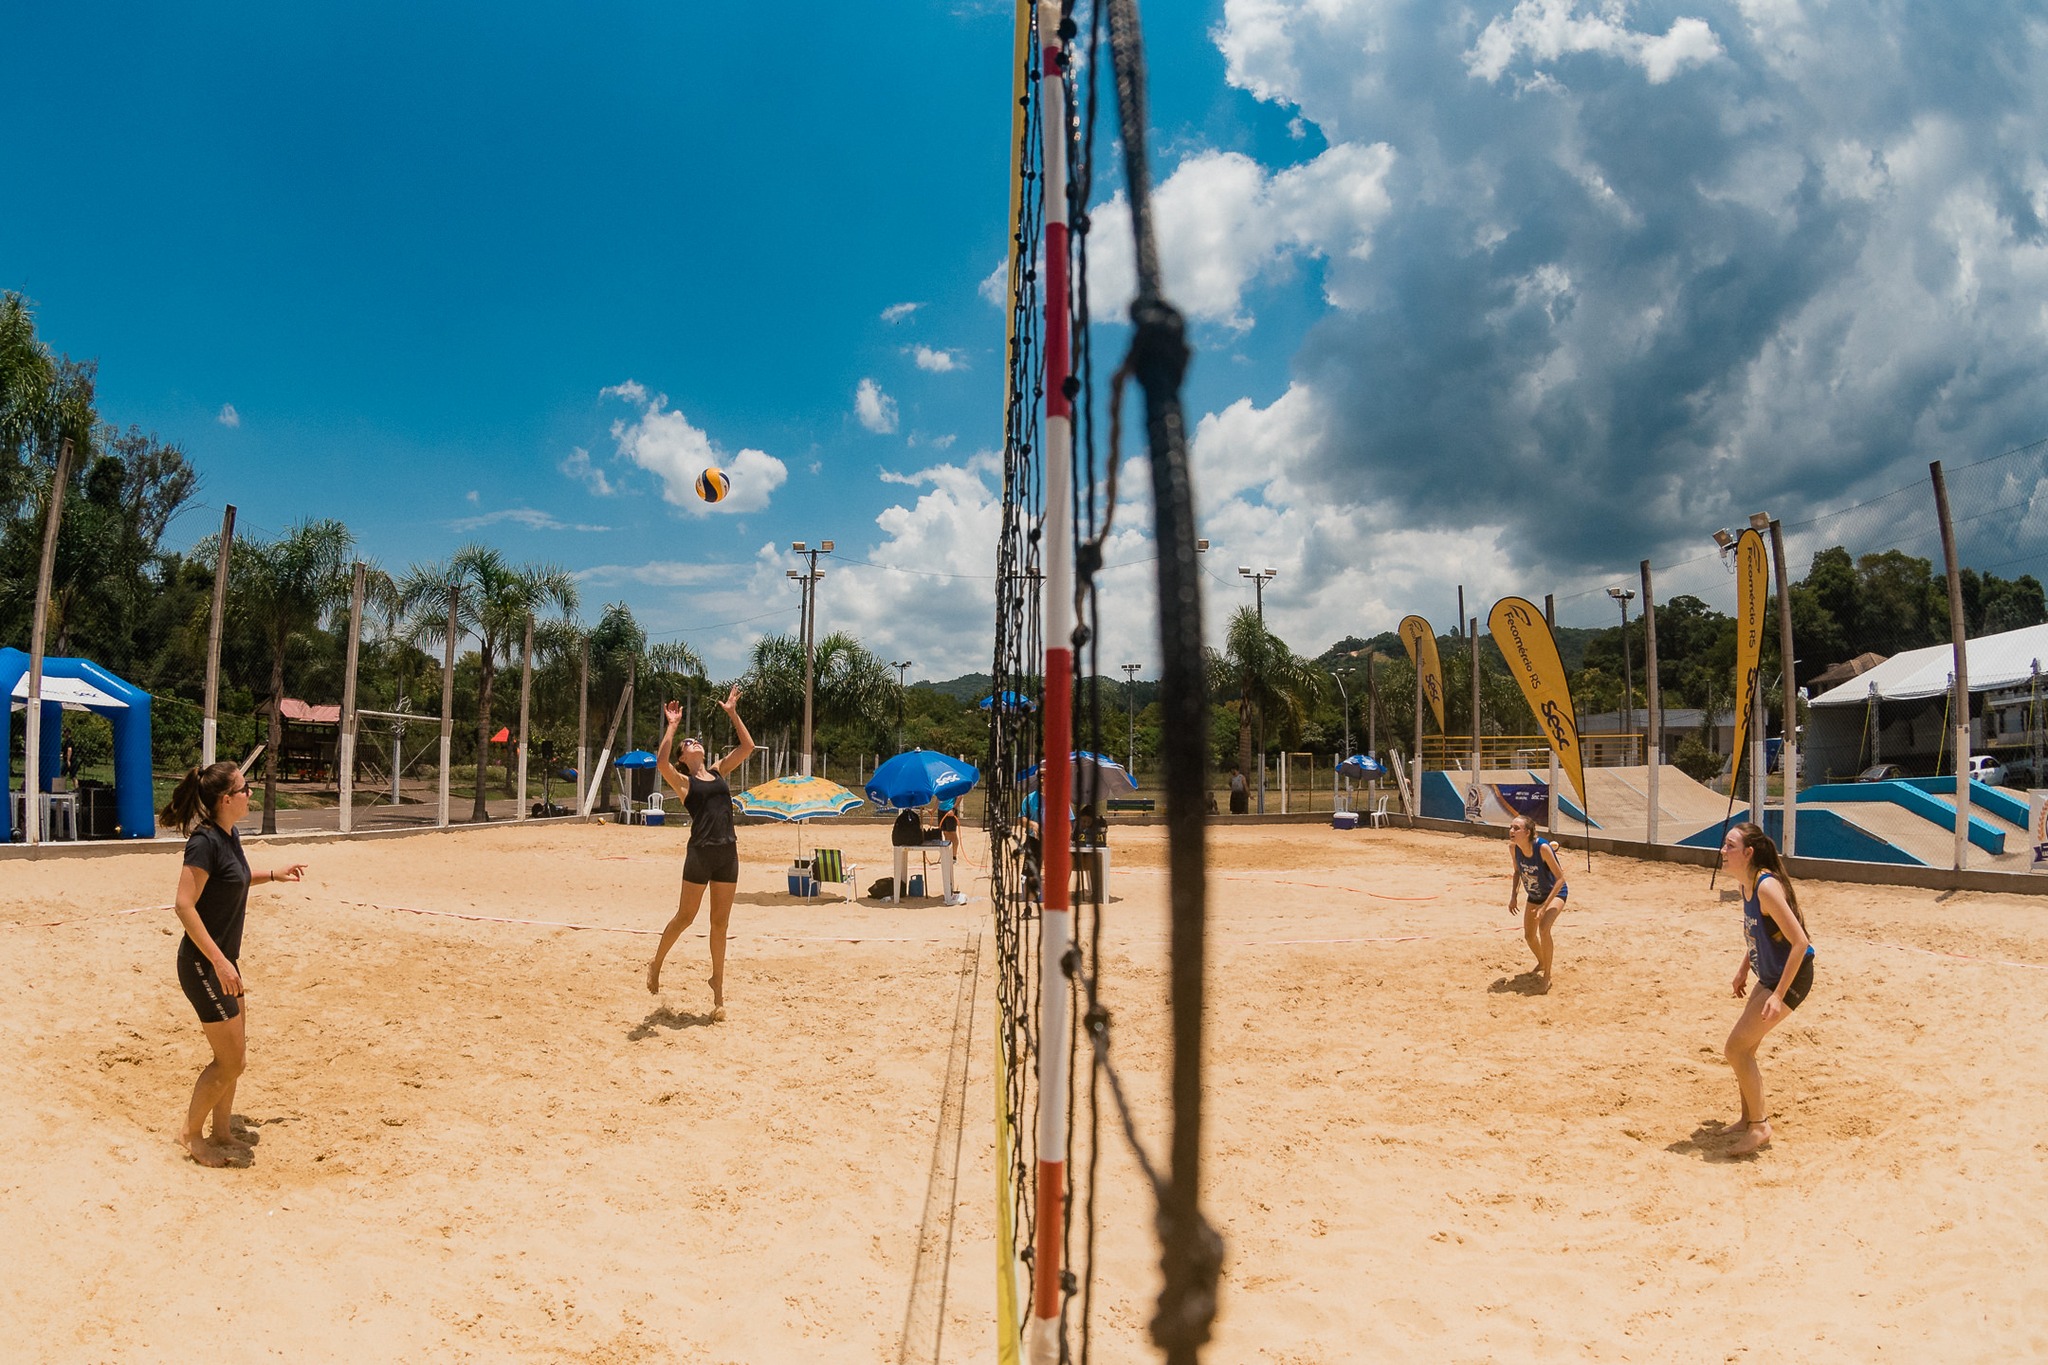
(1420, 642)
(1752, 582)
(1526, 642)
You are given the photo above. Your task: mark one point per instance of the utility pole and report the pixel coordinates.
(1259, 581)
(1131, 718)
(32, 780)
(808, 579)
(899, 665)
(209, 725)
(1622, 597)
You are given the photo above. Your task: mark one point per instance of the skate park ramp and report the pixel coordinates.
(1618, 801)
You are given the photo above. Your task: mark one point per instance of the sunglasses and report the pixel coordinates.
(692, 739)
(242, 790)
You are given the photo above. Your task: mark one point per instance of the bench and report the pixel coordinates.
(1130, 803)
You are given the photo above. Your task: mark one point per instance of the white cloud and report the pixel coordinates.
(1224, 222)
(995, 286)
(577, 466)
(875, 409)
(1545, 30)
(660, 573)
(531, 518)
(228, 417)
(472, 496)
(938, 362)
(898, 312)
(663, 442)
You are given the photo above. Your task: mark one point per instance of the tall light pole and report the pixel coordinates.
(1622, 597)
(899, 665)
(1259, 581)
(809, 579)
(1131, 718)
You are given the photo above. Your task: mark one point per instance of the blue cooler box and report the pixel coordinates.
(1344, 819)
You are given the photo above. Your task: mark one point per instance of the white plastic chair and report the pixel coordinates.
(1379, 812)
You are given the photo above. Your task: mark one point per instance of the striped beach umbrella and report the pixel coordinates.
(796, 798)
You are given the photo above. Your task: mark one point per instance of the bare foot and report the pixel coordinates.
(1734, 1125)
(231, 1139)
(203, 1153)
(654, 978)
(1754, 1139)
(718, 1014)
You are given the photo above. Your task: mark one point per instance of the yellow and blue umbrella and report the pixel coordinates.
(796, 798)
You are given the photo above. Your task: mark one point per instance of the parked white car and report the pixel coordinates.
(1986, 769)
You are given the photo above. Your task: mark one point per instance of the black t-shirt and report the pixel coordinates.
(710, 806)
(224, 900)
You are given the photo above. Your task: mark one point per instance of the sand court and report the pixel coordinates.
(484, 1140)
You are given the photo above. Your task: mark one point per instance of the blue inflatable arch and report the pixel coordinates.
(96, 690)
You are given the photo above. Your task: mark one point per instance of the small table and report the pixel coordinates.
(903, 852)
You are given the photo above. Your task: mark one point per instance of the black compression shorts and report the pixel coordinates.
(707, 863)
(1802, 982)
(202, 986)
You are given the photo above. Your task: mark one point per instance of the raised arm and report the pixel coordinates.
(743, 743)
(672, 714)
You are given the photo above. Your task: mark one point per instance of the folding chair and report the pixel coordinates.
(830, 865)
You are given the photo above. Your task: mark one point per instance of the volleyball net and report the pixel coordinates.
(1046, 712)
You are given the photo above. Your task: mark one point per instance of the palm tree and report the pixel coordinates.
(494, 601)
(285, 588)
(1269, 680)
(849, 682)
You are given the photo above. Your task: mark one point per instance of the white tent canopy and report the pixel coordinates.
(75, 693)
(1995, 662)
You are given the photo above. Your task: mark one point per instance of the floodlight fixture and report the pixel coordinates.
(1760, 521)
(797, 546)
(1725, 538)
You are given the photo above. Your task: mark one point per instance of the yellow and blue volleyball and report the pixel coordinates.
(713, 485)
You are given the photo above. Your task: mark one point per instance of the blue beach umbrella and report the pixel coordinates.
(1094, 775)
(1361, 765)
(639, 758)
(920, 777)
(1007, 700)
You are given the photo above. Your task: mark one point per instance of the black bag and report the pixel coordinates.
(908, 831)
(881, 888)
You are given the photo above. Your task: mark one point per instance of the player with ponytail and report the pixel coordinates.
(212, 902)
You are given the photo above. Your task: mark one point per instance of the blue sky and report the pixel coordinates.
(1506, 297)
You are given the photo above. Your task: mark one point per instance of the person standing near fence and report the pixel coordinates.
(212, 903)
(1240, 791)
(1537, 878)
(1774, 934)
(713, 858)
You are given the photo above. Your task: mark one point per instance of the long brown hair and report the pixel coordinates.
(197, 793)
(1764, 854)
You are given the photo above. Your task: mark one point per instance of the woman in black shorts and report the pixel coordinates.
(1777, 949)
(213, 899)
(713, 859)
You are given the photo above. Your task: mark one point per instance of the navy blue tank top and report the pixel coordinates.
(1768, 946)
(1538, 881)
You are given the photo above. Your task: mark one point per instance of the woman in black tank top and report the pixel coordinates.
(713, 859)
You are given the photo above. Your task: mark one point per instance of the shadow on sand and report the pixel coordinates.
(666, 1018)
(1709, 1142)
(1528, 983)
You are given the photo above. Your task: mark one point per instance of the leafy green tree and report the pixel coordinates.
(494, 601)
(1265, 679)
(285, 589)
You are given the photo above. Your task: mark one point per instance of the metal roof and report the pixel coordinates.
(1995, 662)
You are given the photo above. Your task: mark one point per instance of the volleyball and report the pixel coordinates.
(713, 485)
